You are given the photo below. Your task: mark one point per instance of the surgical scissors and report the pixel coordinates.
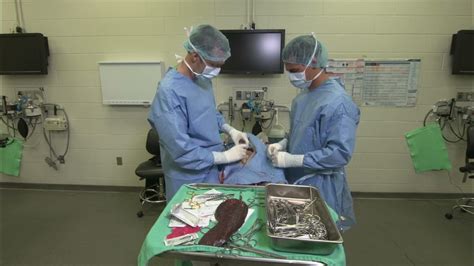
(246, 239)
(246, 242)
(254, 250)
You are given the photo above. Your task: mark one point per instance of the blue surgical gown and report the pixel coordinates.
(323, 128)
(185, 116)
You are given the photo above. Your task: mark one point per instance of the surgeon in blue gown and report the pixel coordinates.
(324, 121)
(185, 116)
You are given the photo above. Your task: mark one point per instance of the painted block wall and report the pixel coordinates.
(82, 33)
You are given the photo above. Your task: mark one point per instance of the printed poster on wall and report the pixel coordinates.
(351, 72)
(386, 82)
(391, 82)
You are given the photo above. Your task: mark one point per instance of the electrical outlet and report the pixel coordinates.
(245, 94)
(465, 97)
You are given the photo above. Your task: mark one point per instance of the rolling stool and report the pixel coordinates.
(152, 172)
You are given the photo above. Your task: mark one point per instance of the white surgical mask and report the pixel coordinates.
(208, 72)
(298, 79)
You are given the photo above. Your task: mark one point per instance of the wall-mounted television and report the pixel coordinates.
(23, 54)
(462, 51)
(254, 51)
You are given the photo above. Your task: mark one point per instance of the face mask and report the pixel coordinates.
(210, 72)
(298, 79)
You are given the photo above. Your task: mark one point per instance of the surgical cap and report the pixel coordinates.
(209, 42)
(300, 49)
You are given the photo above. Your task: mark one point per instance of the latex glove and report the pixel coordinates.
(238, 137)
(276, 147)
(284, 160)
(236, 153)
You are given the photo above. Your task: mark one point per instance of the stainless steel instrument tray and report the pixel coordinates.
(289, 244)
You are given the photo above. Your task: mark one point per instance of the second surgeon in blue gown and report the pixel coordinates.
(323, 120)
(184, 114)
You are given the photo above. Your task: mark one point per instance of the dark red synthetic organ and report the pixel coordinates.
(230, 216)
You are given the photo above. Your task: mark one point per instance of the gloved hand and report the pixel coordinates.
(284, 160)
(236, 153)
(276, 147)
(236, 135)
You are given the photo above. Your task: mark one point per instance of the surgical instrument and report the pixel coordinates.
(256, 251)
(246, 239)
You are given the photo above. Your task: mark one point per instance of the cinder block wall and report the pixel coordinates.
(81, 33)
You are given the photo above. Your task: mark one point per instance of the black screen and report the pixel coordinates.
(25, 53)
(254, 51)
(463, 52)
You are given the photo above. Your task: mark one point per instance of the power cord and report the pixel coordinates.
(53, 155)
(8, 126)
(446, 119)
(20, 21)
(12, 127)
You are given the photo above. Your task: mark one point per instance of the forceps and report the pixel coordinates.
(246, 239)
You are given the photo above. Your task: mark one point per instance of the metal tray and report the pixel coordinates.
(289, 244)
(225, 259)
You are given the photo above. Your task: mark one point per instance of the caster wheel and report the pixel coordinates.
(140, 214)
(448, 216)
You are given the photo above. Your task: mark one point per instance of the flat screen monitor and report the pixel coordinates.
(23, 53)
(254, 51)
(462, 51)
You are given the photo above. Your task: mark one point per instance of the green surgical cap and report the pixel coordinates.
(209, 43)
(300, 49)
